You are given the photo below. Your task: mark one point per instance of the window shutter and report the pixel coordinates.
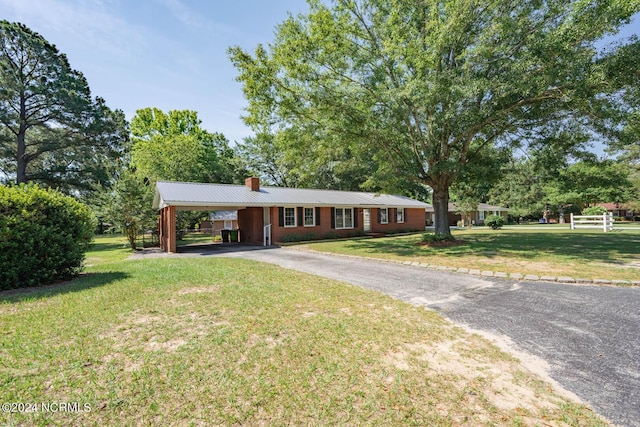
(355, 217)
(317, 216)
(333, 217)
(405, 214)
(300, 217)
(281, 217)
(379, 216)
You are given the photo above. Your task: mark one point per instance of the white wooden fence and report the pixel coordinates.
(604, 221)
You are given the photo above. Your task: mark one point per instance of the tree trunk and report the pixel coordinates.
(21, 160)
(21, 167)
(441, 209)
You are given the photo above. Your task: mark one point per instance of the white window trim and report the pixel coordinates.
(342, 226)
(386, 220)
(398, 210)
(228, 224)
(295, 219)
(481, 215)
(304, 216)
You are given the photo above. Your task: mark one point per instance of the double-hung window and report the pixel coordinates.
(344, 217)
(309, 217)
(400, 215)
(289, 217)
(384, 216)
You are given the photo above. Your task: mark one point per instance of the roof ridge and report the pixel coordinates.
(377, 193)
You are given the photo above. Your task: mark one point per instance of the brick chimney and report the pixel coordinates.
(253, 183)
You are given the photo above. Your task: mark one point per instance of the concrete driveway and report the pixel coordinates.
(589, 335)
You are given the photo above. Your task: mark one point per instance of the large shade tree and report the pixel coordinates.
(51, 129)
(175, 146)
(432, 84)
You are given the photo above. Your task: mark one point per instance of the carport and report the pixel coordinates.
(171, 198)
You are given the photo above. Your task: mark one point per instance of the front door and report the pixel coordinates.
(366, 220)
(266, 222)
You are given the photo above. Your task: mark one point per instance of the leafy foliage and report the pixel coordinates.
(547, 181)
(43, 236)
(594, 210)
(127, 206)
(173, 146)
(494, 221)
(426, 87)
(51, 130)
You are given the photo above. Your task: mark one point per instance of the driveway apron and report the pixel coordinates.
(589, 335)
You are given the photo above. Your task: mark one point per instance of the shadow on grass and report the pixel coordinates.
(609, 247)
(107, 246)
(80, 283)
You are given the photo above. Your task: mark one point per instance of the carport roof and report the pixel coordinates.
(187, 195)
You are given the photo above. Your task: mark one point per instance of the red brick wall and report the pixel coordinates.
(321, 230)
(415, 220)
(250, 225)
(167, 229)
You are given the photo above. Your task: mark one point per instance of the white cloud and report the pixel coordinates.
(92, 22)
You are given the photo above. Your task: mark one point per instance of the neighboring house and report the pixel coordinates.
(483, 211)
(618, 209)
(220, 220)
(269, 214)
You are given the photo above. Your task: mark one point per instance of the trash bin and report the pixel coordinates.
(225, 236)
(543, 220)
(233, 235)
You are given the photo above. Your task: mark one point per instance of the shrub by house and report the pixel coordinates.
(43, 236)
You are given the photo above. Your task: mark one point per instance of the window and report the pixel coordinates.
(289, 217)
(348, 218)
(228, 225)
(384, 216)
(344, 217)
(481, 215)
(400, 215)
(309, 217)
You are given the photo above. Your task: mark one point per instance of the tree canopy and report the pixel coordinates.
(428, 86)
(52, 130)
(174, 146)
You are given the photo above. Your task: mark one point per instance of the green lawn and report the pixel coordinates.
(547, 250)
(210, 341)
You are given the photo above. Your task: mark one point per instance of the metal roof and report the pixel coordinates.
(200, 196)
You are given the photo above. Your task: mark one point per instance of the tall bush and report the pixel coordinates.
(494, 221)
(594, 210)
(43, 236)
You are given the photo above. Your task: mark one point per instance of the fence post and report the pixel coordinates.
(572, 227)
(611, 220)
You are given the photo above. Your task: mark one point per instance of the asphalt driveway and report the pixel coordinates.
(589, 335)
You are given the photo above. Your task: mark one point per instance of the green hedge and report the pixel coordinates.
(43, 236)
(494, 221)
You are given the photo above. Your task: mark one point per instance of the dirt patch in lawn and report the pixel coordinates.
(486, 375)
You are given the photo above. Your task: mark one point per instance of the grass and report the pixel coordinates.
(195, 237)
(554, 251)
(212, 341)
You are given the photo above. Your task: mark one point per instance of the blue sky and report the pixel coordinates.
(169, 54)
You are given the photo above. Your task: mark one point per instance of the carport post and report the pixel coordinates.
(167, 229)
(171, 235)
